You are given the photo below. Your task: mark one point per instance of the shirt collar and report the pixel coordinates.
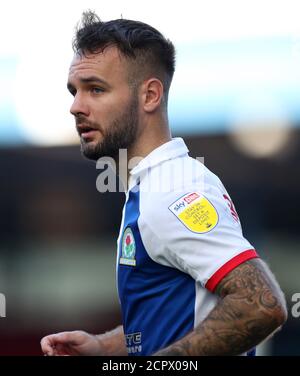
(170, 150)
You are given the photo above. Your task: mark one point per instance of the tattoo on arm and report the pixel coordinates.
(252, 306)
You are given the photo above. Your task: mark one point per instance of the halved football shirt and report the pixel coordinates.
(180, 235)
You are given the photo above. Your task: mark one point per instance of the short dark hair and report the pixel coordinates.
(145, 46)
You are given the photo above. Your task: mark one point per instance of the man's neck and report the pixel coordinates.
(154, 133)
(145, 144)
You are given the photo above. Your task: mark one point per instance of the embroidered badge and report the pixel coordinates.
(195, 212)
(128, 248)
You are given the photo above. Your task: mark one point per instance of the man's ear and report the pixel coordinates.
(152, 94)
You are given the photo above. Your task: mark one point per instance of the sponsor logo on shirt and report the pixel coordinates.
(128, 248)
(196, 212)
(133, 342)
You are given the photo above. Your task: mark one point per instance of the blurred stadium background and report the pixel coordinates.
(235, 99)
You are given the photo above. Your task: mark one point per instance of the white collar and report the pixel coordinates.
(169, 150)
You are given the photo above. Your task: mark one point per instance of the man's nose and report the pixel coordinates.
(79, 106)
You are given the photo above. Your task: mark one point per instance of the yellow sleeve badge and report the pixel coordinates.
(195, 212)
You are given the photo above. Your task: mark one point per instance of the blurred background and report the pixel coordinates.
(235, 100)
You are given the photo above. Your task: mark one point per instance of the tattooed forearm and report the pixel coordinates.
(251, 308)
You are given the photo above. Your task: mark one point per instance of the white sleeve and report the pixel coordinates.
(196, 232)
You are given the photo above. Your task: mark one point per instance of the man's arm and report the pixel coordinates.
(252, 307)
(113, 342)
(81, 343)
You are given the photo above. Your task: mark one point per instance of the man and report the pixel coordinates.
(189, 282)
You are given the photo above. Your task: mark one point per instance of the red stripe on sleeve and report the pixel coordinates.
(212, 283)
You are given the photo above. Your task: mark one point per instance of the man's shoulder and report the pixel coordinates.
(177, 176)
(168, 190)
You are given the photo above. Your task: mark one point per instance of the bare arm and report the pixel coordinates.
(252, 307)
(81, 343)
(113, 342)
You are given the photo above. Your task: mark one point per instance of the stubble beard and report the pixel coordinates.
(121, 134)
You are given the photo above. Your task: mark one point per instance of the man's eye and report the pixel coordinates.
(97, 90)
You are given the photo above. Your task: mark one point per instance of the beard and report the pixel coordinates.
(120, 134)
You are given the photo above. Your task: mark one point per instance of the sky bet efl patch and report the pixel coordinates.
(195, 212)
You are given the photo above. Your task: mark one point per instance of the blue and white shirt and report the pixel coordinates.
(180, 235)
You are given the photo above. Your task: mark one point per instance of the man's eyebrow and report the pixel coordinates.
(87, 80)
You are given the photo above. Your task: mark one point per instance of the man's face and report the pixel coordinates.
(105, 107)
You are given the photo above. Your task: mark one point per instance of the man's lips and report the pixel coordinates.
(85, 131)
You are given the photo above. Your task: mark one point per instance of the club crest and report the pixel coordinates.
(128, 248)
